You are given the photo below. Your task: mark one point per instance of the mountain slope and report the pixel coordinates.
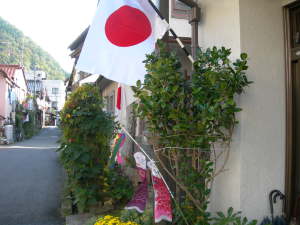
(14, 46)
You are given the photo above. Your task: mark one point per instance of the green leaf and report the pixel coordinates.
(244, 56)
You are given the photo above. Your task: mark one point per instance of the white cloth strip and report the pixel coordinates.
(140, 147)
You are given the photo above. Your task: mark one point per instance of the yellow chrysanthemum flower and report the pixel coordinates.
(110, 220)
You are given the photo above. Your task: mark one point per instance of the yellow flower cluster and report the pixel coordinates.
(110, 220)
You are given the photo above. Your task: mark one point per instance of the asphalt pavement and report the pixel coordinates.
(31, 181)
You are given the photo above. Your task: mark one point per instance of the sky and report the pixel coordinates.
(52, 24)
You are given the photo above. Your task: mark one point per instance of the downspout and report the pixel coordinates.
(194, 21)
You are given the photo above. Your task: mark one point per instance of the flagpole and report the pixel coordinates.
(172, 32)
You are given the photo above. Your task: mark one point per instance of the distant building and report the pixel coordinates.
(13, 90)
(36, 75)
(56, 92)
(34, 82)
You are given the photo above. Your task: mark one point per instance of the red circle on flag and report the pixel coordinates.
(127, 26)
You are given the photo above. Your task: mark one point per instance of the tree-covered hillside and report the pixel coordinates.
(14, 46)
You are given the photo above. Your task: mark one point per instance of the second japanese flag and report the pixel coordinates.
(122, 33)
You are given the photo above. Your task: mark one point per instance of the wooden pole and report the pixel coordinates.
(172, 32)
(195, 19)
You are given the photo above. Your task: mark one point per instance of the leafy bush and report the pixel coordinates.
(147, 218)
(119, 186)
(85, 147)
(232, 218)
(188, 118)
(30, 128)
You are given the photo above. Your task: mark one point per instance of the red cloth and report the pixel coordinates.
(119, 98)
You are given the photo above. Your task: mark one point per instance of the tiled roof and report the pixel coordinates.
(10, 69)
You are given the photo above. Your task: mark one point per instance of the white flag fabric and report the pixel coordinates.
(125, 97)
(122, 33)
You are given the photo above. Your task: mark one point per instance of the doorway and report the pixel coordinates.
(292, 19)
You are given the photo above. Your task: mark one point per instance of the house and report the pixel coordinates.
(265, 151)
(55, 90)
(34, 81)
(13, 90)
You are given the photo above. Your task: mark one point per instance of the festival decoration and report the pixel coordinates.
(122, 33)
(116, 154)
(162, 204)
(140, 198)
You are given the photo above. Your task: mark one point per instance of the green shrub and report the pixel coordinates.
(119, 187)
(146, 218)
(85, 148)
(29, 127)
(232, 218)
(188, 118)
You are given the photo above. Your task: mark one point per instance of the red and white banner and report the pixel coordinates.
(122, 33)
(162, 197)
(124, 98)
(139, 199)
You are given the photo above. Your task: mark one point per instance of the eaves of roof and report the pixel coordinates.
(9, 71)
(79, 40)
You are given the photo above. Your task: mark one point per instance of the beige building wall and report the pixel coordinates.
(220, 26)
(256, 163)
(262, 136)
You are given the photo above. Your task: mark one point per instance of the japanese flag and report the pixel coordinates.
(122, 33)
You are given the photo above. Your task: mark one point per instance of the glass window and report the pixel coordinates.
(54, 91)
(110, 103)
(180, 10)
(54, 105)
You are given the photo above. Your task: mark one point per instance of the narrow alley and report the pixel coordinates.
(31, 181)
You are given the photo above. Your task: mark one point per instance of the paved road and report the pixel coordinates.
(31, 181)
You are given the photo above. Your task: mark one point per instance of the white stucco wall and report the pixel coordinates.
(21, 82)
(220, 27)
(220, 24)
(256, 163)
(262, 142)
(60, 97)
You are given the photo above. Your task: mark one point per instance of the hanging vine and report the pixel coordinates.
(188, 119)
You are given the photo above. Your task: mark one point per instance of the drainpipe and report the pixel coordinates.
(194, 21)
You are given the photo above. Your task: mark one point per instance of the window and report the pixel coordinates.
(54, 105)
(110, 103)
(180, 10)
(54, 91)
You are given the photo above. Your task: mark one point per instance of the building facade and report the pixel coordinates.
(56, 92)
(265, 152)
(13, 90)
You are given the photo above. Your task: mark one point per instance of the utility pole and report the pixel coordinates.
(34, 96)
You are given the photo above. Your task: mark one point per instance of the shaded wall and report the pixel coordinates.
(3, 89)
(256, 163)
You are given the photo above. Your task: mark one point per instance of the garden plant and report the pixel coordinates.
(85, 150)
(188, 119)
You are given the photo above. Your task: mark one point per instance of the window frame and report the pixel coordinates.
(179, 13)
